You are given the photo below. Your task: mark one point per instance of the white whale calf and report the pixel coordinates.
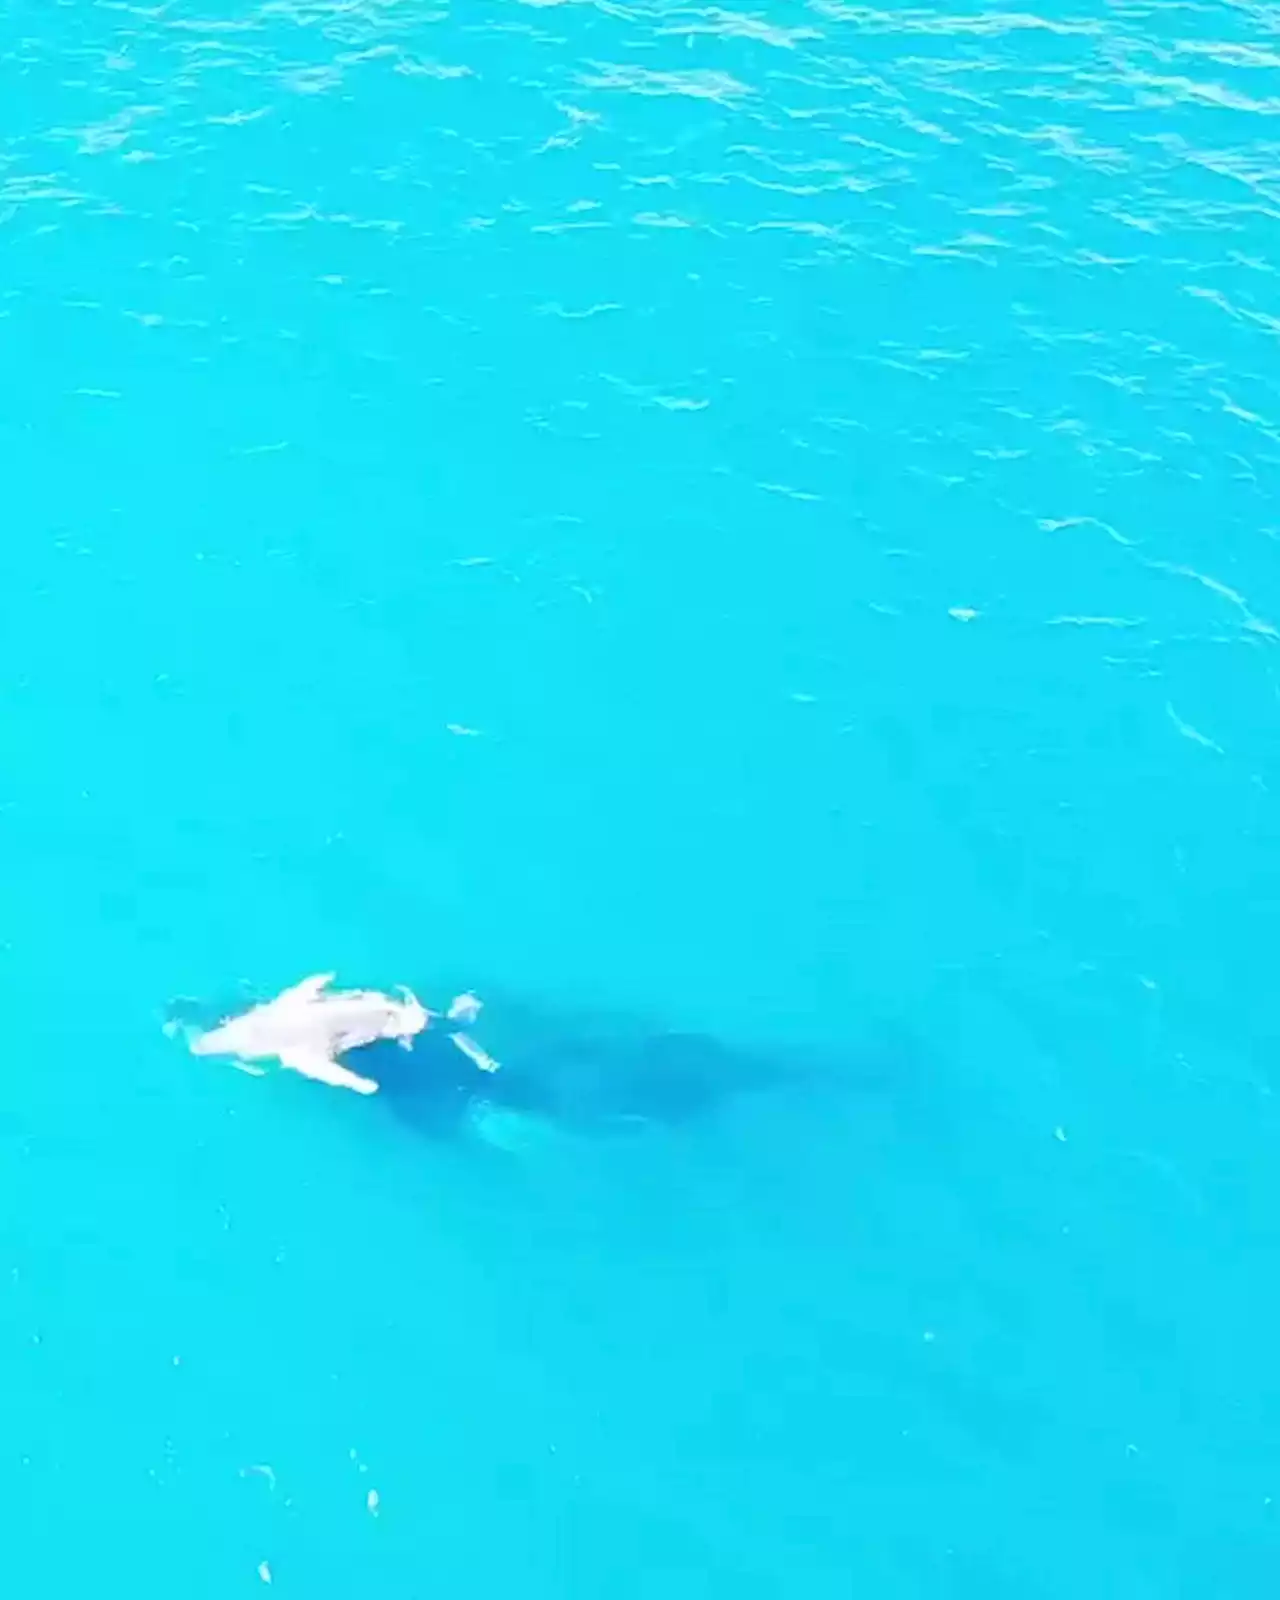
(307, 1027)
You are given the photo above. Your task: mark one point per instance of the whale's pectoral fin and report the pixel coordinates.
(309, 989)
(324, 1069)
(474, 1053)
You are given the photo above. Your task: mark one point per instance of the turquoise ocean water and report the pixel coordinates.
(757, 522)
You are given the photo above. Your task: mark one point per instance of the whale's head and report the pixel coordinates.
(411, 1016)
(359, 1017)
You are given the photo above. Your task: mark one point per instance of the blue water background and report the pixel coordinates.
(826, 461)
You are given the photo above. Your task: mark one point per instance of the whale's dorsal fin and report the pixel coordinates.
(309, 989)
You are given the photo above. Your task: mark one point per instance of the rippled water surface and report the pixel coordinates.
(761, 524)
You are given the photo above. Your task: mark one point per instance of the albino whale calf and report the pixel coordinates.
(307, 1027)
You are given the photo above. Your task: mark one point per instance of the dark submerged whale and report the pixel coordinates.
(593, 1075)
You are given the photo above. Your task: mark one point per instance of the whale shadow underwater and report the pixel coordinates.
(594, 1075)
(579, 1080)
